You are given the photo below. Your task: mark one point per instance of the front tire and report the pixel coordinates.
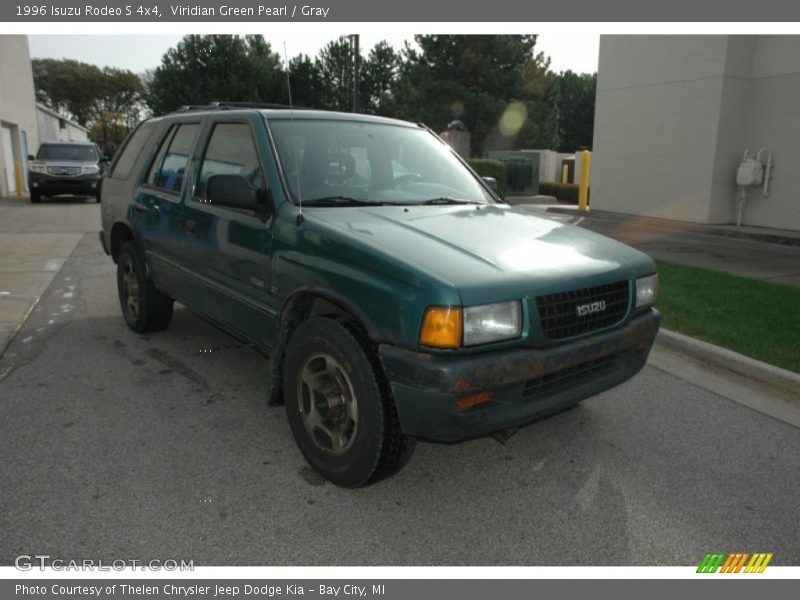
(36, 197)
(339, 405)
(144, 307)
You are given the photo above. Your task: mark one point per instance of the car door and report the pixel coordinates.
(158, 206)
(229, 250)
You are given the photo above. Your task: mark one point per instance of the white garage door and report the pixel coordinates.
(8, 160)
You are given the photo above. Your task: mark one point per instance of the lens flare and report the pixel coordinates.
(513, 119)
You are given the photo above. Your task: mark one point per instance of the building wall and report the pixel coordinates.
(17, 112)
(52, 127)
(774, 122)
(674, 115)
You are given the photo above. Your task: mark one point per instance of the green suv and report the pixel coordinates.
(397, 298)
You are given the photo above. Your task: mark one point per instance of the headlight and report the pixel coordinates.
(646, 290)
(37, 168)
(87, 169)
(492, 323)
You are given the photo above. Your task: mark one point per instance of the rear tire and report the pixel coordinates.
(339, 405)
(144, 307)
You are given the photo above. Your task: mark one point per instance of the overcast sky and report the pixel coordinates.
(139, 52)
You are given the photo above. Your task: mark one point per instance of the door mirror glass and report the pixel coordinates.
(234, 191)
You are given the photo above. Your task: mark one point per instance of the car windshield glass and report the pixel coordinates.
(67, 152)
(375, 163)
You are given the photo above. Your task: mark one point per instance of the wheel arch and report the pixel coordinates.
(304, 304)
(121, 232)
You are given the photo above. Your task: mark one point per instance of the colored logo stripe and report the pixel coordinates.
(734, 562)
(758, 563)
(711, 563)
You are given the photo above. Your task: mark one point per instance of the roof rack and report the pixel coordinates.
(234, 105)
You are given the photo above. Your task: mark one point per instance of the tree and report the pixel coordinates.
(334, 65)
(208, 68)
(69, 87)
(378, 79)
(106, 100)
(116, 109)
(472, 78)
(335, 72)
(305, 81)
(574, 98)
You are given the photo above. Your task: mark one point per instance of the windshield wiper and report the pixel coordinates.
(341, 201)
(446, 200)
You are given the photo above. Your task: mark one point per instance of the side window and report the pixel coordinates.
(172, 160)
(131, 151)
(230, 151)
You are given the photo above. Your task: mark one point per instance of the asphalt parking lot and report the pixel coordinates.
(122, 446)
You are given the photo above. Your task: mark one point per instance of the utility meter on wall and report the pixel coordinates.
(753, 172)
(750, 172)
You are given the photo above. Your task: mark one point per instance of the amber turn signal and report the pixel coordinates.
(473, 400)
(441, 327)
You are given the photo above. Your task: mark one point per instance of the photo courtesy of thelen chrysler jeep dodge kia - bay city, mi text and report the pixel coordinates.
(396, 296)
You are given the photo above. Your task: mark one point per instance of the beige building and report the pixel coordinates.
(18, 134)
(675, 115)
(53, 127)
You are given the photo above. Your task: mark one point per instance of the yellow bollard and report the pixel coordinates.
(583, 191)
(19, 178)
(564, 174)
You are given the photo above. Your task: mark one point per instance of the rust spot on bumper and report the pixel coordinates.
(491, 370)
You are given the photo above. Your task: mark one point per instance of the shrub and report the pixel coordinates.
(564, 192)
(487, 167)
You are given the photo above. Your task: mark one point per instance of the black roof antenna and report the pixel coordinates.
(291, 116)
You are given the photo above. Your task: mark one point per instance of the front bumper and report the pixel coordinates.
(49, 185)
(527, 383)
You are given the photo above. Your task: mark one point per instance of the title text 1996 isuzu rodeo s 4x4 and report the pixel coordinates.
(396, 296)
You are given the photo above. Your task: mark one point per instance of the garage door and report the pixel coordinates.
(8, 160)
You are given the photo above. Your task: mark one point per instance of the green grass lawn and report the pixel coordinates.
(755, 318)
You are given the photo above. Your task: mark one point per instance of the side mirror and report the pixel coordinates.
(234, 191)
(31, 157)
(491, 182)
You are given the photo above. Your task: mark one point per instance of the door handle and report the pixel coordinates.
(139, 207)
(191, 227)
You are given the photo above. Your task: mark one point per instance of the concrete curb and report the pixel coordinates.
(722, 358)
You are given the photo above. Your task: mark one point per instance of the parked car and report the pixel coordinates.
(397, 297)
(65, 168)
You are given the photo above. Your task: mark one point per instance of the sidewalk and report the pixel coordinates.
(755, 252)
(784, 237)
(35, 240)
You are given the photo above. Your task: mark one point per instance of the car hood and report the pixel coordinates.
(487, 252)
(60, 162)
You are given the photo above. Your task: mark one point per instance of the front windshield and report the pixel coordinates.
(67, 152)
(372, 162)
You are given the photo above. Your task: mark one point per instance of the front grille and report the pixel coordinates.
(567, 314)
(571, 375)
(63, 170)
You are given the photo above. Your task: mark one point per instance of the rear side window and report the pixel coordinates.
(169, 167)
(131, 151)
